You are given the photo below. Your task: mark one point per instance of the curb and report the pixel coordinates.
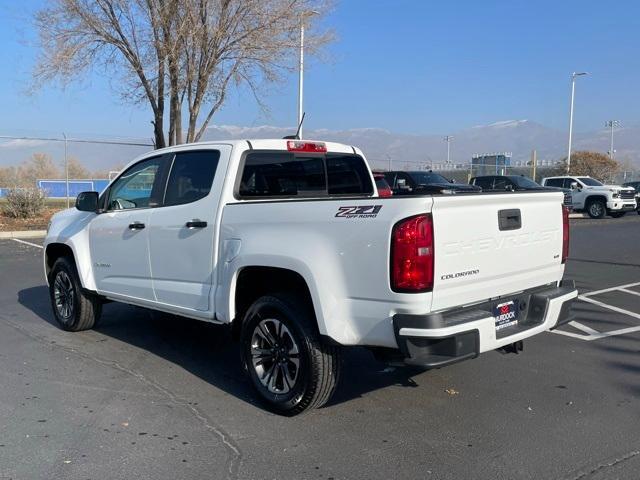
(24, 234)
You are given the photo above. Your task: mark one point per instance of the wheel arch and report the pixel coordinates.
(254, 281)
(591, 198)
(55, 250)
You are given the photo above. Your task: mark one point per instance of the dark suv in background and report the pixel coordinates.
(424, 181)
(515, 183)
(636, 186)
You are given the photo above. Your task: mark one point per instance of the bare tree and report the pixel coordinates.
(594, 164)
(39, 166)
(189, 51)
(77, 170)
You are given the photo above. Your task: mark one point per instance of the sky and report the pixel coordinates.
(404, 66)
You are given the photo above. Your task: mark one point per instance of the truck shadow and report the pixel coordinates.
(208, 351)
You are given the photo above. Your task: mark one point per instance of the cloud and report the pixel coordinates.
(22, 143)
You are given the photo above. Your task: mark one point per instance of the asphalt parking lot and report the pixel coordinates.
(151, 397)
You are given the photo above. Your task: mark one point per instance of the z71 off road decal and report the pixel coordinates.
(364, 211)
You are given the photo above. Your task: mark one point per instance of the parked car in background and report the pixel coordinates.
(423, 182)
(636, 187)
(384, 190)
(515, 183)
(594, 197)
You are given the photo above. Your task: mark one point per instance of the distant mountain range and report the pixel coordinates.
(519, 137)
(404, 150)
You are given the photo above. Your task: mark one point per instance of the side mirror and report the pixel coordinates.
(574, 185)
(451, 181)
(87, 202)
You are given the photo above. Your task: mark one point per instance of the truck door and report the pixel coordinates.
(577, 195)
(182, 235)
(119, 236)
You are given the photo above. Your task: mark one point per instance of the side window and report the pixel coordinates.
(404, 181)
(554, 182)
(135, 187)
(191, 176)
(486, 183)
(567, 182)
(282, 174)
(500, 183)
(347, 174)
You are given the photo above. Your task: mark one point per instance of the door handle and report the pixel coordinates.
(136, 226)
(196, 224)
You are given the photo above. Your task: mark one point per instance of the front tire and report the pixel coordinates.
(596, 209)
(290, 366)
(73, 309)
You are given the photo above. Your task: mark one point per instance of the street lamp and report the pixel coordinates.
(611, 124)
(448, 139)
(573, 91)
(301, 69)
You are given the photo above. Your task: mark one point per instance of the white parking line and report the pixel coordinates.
(592, 334)
(26, 243)
(610, 289)
(629, 291)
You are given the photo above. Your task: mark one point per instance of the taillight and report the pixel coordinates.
(412, 255)
(384, 192)
(565, 234)
(308, 147)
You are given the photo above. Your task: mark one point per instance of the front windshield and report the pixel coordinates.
(428, 178)
(524, 182)
(590, 182)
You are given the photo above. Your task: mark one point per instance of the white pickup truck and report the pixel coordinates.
(597, 199)
(288, 242)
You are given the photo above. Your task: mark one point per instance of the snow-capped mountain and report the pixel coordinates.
(519, 137)
(404, 150)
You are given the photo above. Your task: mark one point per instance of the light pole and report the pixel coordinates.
(301, 69)
(448, 139)
(66, 167)
(611, 124)
(573, 92)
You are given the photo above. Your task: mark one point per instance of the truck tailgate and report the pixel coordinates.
(481, 252)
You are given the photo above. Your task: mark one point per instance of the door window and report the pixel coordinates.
(135, 187)
(554, 182)
(191, 176)
(486, 183)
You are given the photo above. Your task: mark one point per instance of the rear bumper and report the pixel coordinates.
(439, 339)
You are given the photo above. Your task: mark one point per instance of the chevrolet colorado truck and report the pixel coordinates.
(288, 243)
(595, 198)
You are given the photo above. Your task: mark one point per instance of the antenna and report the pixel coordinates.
(297, 135)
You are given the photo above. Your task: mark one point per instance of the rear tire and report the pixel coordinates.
(596, 209)
(290, 366)
(73, 309)
(617, 214)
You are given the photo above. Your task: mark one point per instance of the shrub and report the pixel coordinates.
(24, 202)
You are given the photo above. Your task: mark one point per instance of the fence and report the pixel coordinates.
(58, 188)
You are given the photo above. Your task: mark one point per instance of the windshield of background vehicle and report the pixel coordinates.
(590, 182)
(427, 178)
(524, 182)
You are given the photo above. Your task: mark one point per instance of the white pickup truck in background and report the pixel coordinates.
(288, 242)
(595, 198)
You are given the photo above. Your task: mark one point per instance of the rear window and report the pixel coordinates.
(347, 174)
(284, 174)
